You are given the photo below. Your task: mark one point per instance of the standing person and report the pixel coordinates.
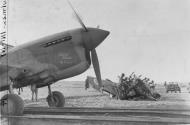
(19, 90)
(34, 90)
(86, 83)
(10, 85)
(152, 85)
(165, 83)
(122, 77)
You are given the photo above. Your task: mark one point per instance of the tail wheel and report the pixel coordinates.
(12, 104)
(58, 99)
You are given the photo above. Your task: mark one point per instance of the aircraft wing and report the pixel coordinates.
(7, 71)
(108, 86)
(9, 68)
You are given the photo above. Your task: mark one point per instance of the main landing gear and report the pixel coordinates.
(12, 104)
(55, 98)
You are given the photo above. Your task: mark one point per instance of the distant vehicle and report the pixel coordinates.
(173, 88)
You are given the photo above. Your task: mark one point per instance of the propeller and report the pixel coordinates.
(77, 16)
(96, 66)
(94, 56)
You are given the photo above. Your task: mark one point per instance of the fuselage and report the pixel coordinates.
(45, 60)
(49, 59)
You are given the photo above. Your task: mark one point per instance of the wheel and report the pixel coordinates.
(12, 104)
(156, 95)
(58, 99)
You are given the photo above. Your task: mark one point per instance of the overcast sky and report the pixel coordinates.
(149, 37)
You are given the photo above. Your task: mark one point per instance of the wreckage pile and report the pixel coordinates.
(135, 88)
(128, 88)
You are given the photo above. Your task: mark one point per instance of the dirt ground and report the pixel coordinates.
(77, 96)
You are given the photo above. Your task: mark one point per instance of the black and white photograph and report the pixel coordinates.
(95, 62)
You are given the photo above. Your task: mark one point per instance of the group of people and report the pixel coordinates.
(133, 77)
(134, 86)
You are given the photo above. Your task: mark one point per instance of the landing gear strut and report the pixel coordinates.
(12, 104)
(55, 98)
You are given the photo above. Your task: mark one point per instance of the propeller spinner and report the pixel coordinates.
(92, 38)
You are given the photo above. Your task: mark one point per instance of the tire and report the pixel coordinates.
(58, 98)
(13, 106)
(156, 95)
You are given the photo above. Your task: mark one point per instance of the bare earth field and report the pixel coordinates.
(77, 96)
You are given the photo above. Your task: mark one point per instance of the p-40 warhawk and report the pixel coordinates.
(47, 60)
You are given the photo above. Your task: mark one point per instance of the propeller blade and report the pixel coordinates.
(77, 16)
(96, 66)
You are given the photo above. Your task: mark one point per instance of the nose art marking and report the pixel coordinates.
(65, 58)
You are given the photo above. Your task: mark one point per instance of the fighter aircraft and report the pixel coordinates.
(47, 60)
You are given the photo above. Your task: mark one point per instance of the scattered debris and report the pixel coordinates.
(108, 86)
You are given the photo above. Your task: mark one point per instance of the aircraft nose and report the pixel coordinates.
(95, 37)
